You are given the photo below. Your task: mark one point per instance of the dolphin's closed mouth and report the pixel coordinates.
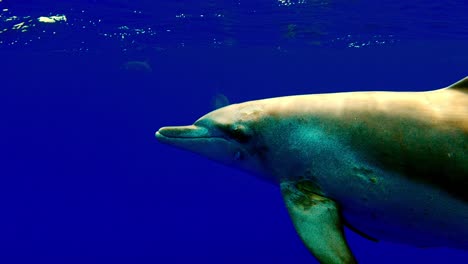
(181, 132)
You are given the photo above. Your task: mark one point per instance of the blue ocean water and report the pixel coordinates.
(85, 84)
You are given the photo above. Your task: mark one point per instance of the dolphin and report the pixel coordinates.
(388, 165)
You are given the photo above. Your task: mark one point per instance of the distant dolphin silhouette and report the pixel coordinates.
(389, 165)
(137, 66)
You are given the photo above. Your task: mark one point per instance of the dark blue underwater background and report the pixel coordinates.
(82, 178)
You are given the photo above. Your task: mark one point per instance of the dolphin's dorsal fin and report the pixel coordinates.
(460, 85)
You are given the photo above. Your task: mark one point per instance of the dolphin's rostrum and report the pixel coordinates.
(389, 165)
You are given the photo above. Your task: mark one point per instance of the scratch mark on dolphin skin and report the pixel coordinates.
(365, 174)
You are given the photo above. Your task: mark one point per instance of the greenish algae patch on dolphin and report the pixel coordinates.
(410, 143)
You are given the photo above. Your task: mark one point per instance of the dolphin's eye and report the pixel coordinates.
(238, 133)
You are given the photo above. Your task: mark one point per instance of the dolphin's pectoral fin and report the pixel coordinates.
(317, 221)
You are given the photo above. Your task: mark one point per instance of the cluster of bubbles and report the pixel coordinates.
(298, 2)
(358, 42)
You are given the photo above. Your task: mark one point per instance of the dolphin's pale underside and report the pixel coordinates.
(389, 165)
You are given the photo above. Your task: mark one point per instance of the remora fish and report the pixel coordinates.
(389, 165)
